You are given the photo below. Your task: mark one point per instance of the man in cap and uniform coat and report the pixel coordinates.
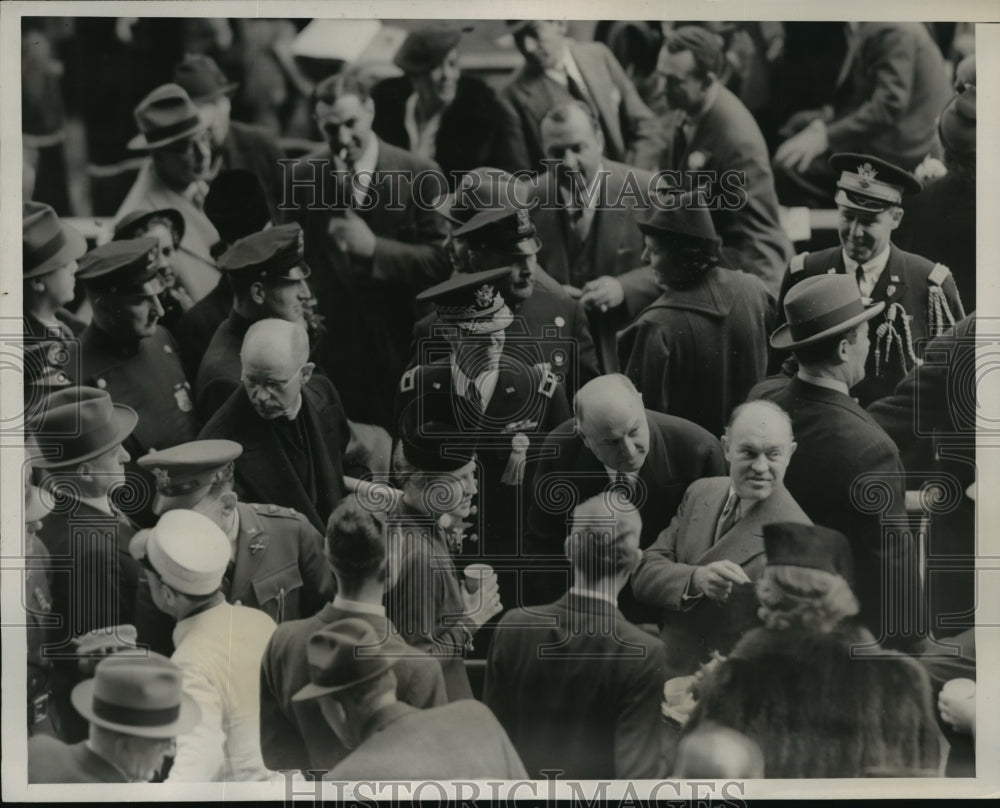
(135, 708)
(175, 176)
(432, 608)
(546, 318)
(290, 423)
(696, 351)
(921, 300)
(125, 351)
(218, 647)
(234, 144)
(353, 683)
(498, 398)
(842, 453)
(267, 276)
(293, 734)
(276, 559)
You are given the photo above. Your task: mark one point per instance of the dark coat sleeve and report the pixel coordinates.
(639, 729)
(281, 745)
(318, 586)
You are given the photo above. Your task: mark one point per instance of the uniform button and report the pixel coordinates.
(560, 322)
(101, 383)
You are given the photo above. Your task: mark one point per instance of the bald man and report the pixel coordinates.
(576, 686)
(699, 572)
(712, 752)
(289, 422)
(612, 440)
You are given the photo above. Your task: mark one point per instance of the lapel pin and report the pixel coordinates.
(509, 390)
(436, 385)
(890, 290)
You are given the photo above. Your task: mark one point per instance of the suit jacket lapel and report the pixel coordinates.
(600, 94)
(701, 522)
(609, 223)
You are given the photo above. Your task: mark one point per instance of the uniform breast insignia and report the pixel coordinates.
(798, 263)
(549, 381)
(408, 381)
(256, 546)
(560, 322)
(182, 396)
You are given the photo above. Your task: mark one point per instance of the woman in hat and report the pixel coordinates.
(167, 227)
(436, 112)
(813, 689)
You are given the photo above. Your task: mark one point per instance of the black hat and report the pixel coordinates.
(957, 125)
(428, 441)
(123, 267)
(791, 544)
(49, 243)
(869, 184)
(471, 301)
(425, 48)
(237, 204)
(128, 226)
(681, 214)
(272, 255)
(201, 78)
(505, 230)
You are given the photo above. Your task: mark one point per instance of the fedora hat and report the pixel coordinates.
(346, 653)
(137, 696)
(165, 116)
(201, 78)
(820, 307)
(48, 242)
(78, 424)
(128, 226)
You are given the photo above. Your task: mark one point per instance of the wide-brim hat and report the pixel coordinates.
(129, 225)
(141, 696)
(202, 79)
(48, 242)
(78, 424)
(165, 116)
(821, 307)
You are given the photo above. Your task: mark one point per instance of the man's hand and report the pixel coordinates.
(957, 705)
(602, 293)
(352, 235)
(572, 291)
(482, 604)
(800, 150)
(715, 580)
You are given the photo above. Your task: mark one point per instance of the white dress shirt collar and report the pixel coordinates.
(340, 602)
(421, 138)
(872, 269)
(824, 381)
(486, 382)
(584, 592)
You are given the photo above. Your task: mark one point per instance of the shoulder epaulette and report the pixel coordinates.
(798, 263)
(939, 274)
(275, 510)
(409, 380)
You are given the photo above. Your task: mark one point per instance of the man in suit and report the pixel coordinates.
(612, 441)
(353, 683)
(176, 176)
(293, 735)
(554, 324)
(586, 208)
(716, 133)
(556, 70)
(700, 570)
(218, 646)
(842, 451)
(920, 297)
(234, 144)
(696, 351)
(889, 92)
(267, 276)
(127, 352)
(135, 708)
(436, 112)
(575, 684)
(370, 242)
(289, 422)
(276, 559)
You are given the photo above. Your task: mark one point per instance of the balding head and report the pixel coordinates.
(611, 419)
(603, 543)
(275, 364)
(718, 753)
(758, 443)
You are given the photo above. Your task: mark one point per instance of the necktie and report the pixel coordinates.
(730, 516)
(198, 194)
(681, 138)
(623, 481)
(577, 91)
(474, 396)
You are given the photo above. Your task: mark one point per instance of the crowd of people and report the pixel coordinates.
(507, 432)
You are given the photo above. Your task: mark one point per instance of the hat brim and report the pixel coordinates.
(782, 340)
(174, 215)
(842, 200)
(35, 509)
(314, 691)
(187, 719)
(74, 249)
(139, 142)
(473, 327)
(125, 419)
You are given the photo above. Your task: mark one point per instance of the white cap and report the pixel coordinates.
(187, 550)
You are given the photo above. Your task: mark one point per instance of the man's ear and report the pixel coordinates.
(897, 217)
(228, 501)
(257, 292)
(725, 445)
(842, 349)
(792, 448)
(307, 371)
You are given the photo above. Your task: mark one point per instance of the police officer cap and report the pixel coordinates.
(472, 301)
(813, 546)
(123, 267)
(185, 472)
(273, 255)
(504, 229)
(186, 550)
(869, 184)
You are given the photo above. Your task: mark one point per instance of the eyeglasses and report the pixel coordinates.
(270, 385)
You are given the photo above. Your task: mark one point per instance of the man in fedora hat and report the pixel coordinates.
(135, 707)
(353, 682)
(696, 351)
(293, 735)
(840, 446)
(234, 144)
(920, 297)
(546, 319)
(126, 351)
(218, 646)
(175, 176)
(435, 111)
